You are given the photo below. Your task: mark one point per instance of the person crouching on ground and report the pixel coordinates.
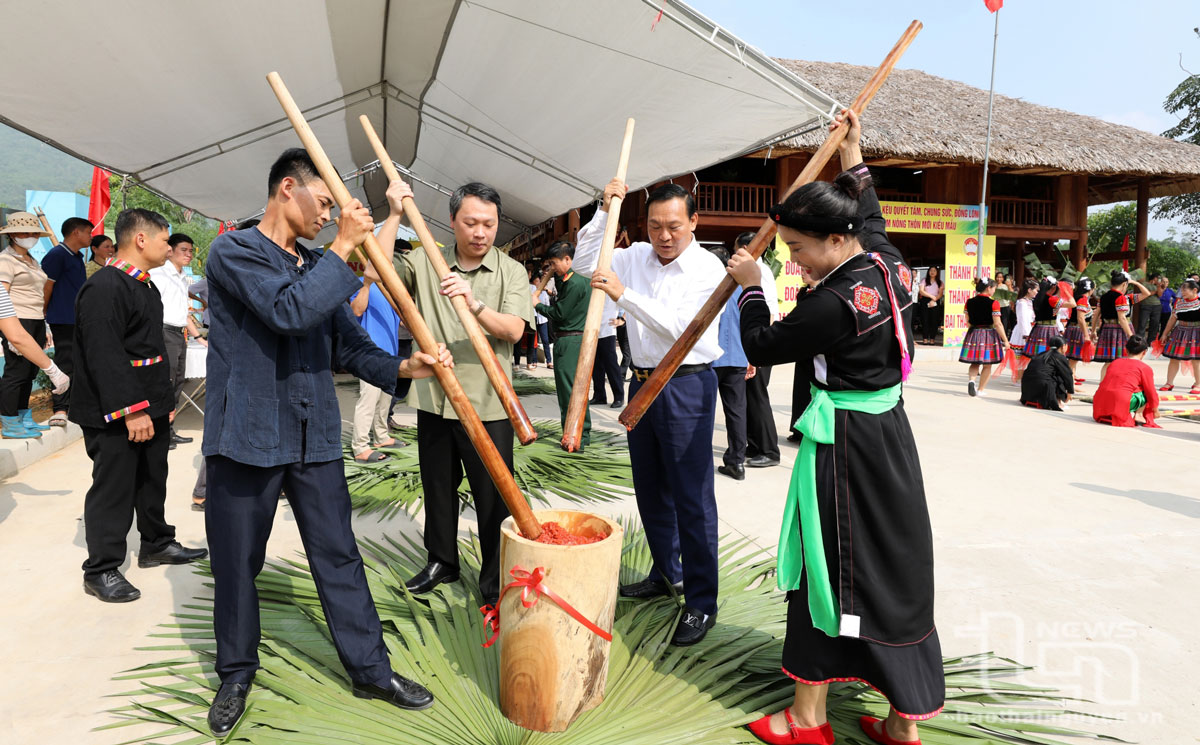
(1047, 382)
(1127, 389)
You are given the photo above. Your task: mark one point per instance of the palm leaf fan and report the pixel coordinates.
(598, 473)
(656, 693)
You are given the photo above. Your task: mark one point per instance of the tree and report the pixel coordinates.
(1184, 102)
(182, 220)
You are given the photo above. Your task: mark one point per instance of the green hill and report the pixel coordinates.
(28, 163)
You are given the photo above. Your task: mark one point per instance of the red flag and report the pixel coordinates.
(994, 5)
(100, 200)
(1124, 248)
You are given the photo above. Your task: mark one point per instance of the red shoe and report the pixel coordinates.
(1167, 387)
(796, 735)
(1080, 381)
(879, 734)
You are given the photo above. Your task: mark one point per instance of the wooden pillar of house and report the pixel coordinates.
(1143, 203)
(572, 225)
(1019, 264)
(1077, 259)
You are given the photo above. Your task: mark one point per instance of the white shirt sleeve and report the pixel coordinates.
(587, 244)
(770, 291)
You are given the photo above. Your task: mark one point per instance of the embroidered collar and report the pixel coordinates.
(130, 269)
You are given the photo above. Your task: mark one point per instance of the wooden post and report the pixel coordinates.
(1143, 224)
(1077, 258)
(390, 281)
(640, 402)
(552, 667)
(577, 409)
(41, 216)
(1019, 266)
(479, 342)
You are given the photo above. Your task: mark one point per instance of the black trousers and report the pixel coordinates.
(607, 365)
(127, 479)
(623, 344)
(64, 351)
(446, 454)
(731, 384)
(238, 514)
(1148, 322)
(761, 437)
(402, 384)
(17, 382)
(931, 319)
(176, 358)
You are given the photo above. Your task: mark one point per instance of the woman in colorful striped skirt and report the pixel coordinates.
(1181, 337)
(1113, 321)
(1049, 299)
(984, 344)
(1079, 333)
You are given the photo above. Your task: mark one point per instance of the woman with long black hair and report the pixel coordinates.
(1181, 337)
(1078, 334)
(1049, 299)
(984, 344)
(930, 296)
(858, 609)
(1113, 319)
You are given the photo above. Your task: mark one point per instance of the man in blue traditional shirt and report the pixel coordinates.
(279, 318)
(65, 275)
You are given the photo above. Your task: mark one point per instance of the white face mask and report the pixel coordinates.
(25, 243)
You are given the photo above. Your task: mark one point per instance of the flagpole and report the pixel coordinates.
(987, 152)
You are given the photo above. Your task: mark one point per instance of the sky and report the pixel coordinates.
(1113, 59)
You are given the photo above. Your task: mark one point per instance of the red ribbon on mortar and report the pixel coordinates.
(532, 581)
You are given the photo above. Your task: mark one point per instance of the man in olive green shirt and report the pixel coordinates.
(568, 316)
(496, 288)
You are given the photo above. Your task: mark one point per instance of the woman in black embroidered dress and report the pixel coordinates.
(860, 605)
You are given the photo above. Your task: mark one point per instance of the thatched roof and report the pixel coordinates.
(919, 117)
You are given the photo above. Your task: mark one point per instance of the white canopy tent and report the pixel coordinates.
(530, 96)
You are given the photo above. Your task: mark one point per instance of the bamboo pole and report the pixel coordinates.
(41, 216)
(479, 342)
(640, 402)
(577, 409)
(390, 281)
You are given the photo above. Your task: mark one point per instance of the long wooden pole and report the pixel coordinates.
(479, 342)
(640, 402)
(41, 216)
(488, 453)
(577, 409)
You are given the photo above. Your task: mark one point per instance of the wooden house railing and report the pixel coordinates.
(1019, 211)
(733, 198)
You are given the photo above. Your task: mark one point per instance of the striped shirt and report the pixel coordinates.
(6, 307)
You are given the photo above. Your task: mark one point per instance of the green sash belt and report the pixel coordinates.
(800, 542)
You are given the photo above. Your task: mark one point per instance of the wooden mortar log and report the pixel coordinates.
(552, 667)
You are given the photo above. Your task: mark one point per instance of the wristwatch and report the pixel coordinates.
(478, 307)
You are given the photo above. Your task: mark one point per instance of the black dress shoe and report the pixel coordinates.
(227, 708)
(434, 574)
(761, 461)
(179, 439)
(617, 404)
(693, 626)
(793, 436)
(171, 445)
(111, 587)
(172, 553)
(597, 402)
(399, 691)
(649, 588)
(737, 473)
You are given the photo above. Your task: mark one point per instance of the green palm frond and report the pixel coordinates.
(599, 473)
(529, 385)
(656, 693)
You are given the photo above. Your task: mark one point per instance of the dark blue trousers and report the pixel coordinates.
(238, 515)
(671, 454)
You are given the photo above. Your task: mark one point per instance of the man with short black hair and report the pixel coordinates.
(567, 317)
(177, 320)
(65, 275)
(661, 285)
(279, 318)
(121, 398)
(496, 289)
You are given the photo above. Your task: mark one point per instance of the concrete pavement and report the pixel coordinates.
(1061, 543)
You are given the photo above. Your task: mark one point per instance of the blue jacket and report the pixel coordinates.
(278, 325)
(64, 268)
(729, 335)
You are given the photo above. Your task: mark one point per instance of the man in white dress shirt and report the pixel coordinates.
(173, 288)
(661, 285)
